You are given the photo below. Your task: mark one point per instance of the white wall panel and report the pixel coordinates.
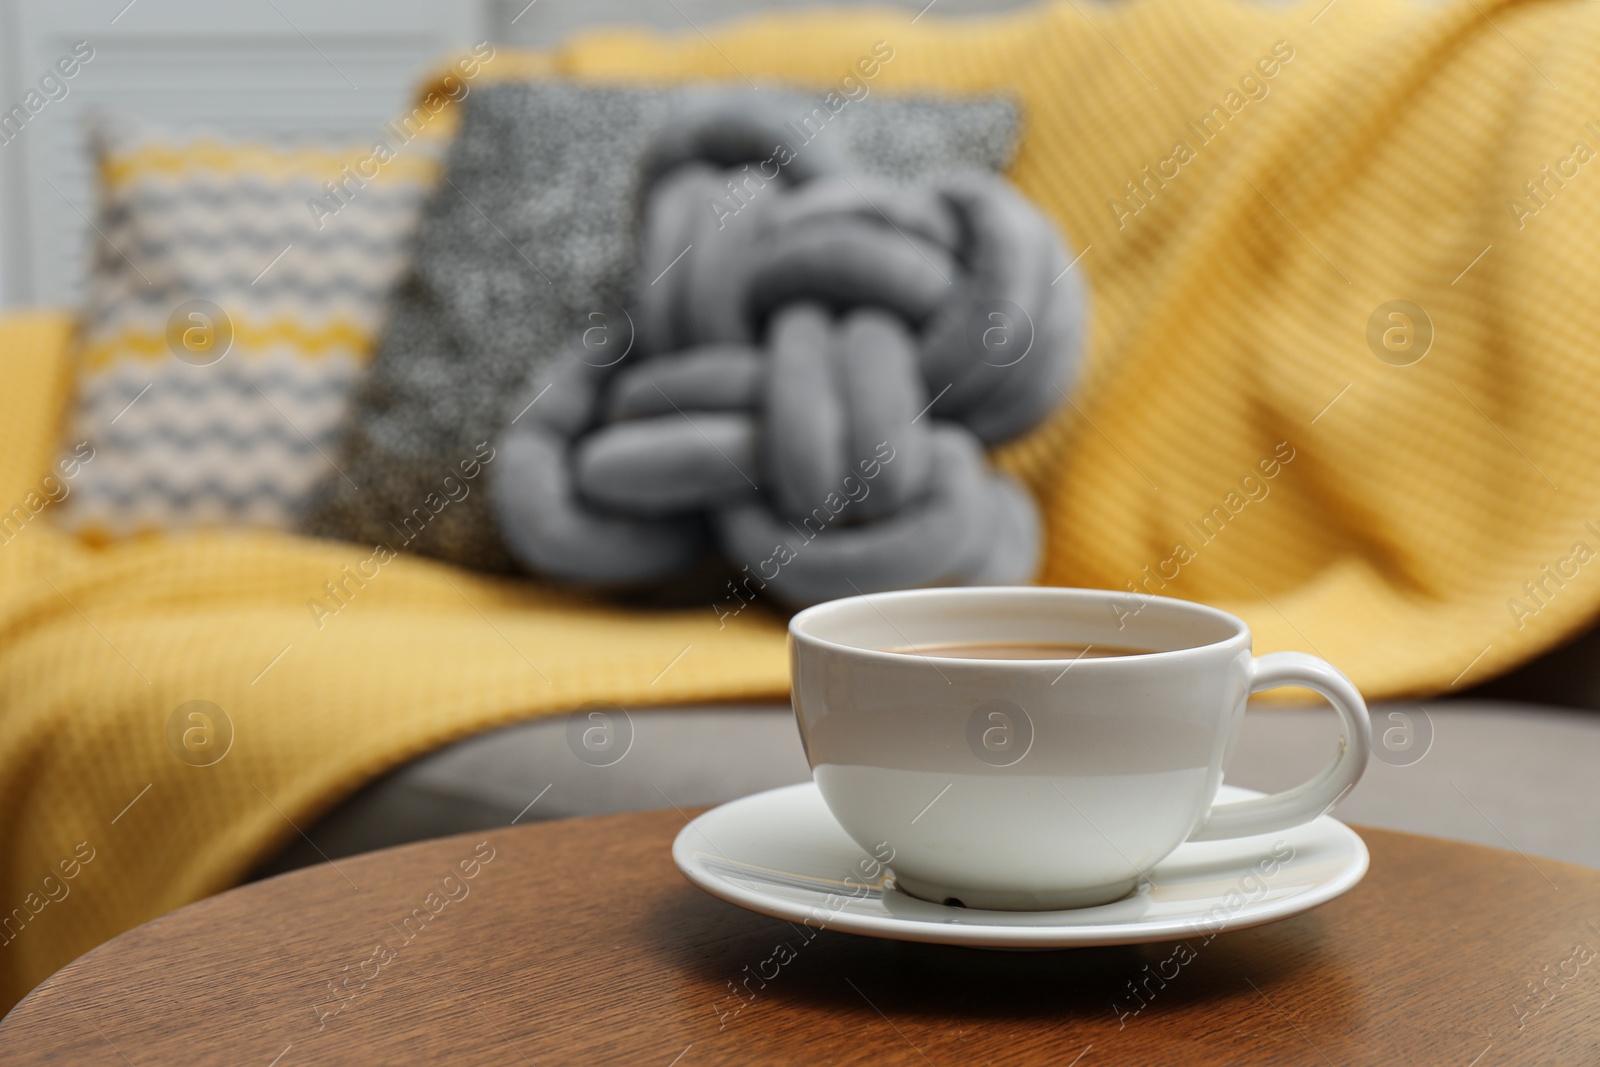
(299, 67)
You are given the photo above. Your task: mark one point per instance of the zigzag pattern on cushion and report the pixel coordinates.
(199, 198)
(118, 390)
(133, 489)
(250, 192)
(144, 506)
(177, 394)
(177, 446)
(231, 241)
(317, 290)
(347, 288)
(216, 435)
(226, 249)
(309, 343)
(153, 496)
(242, 439)
(215, 158)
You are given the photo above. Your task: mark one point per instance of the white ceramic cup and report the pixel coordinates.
(1042, 784)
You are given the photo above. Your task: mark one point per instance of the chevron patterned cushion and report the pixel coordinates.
(235, 293)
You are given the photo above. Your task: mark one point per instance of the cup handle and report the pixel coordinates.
(1264, 815)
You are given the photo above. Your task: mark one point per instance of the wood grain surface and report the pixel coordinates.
(579, 942)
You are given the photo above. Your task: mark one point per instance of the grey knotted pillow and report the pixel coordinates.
(810, 365)
(533, 234)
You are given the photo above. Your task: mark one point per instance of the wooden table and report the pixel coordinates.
(579, 942)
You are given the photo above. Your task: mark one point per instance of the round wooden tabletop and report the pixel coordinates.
(579, 942)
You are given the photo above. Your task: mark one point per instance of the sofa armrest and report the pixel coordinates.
(36, 367)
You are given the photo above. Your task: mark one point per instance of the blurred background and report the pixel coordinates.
(294, 67)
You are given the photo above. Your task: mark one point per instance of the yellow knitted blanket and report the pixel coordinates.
(1251, 187)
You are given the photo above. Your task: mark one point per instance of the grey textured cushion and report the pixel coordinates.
(845, 316)
(530, 238)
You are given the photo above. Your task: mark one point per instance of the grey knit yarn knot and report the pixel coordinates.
(812, 368)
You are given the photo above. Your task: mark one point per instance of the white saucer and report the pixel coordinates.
(781, 853)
